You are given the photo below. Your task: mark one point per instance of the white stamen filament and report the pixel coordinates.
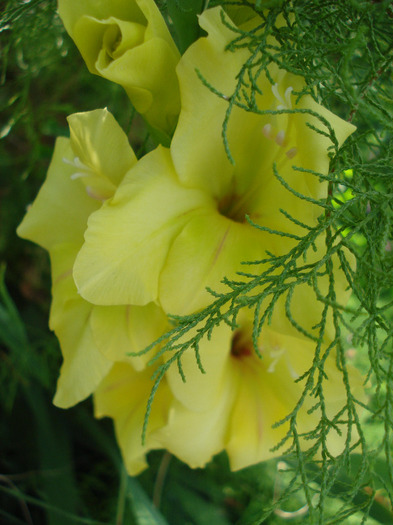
(82, 169)
(277, 94)
(275, 354)
(78, 175)
(69, 162)
(76, 162)
(285, 103)
(287, 96)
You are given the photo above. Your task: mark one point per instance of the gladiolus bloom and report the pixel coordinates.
(127, 42)
(84, 171)
(177, 223)
(131, 241)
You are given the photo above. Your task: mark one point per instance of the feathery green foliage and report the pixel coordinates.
(344, 51)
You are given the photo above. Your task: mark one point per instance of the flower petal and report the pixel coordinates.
(51, 218)
(267, 393)
(202, 390)
(195, 437)
(99, 142)
(84, 366)
(197, 147)
(119, 330)
(127, 240)
(130, 44)
(122, 395)
(209, 248)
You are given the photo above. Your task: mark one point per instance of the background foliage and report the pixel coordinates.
(63, 466)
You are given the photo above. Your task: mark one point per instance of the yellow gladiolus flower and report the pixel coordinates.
(177, 223)
(85, 170)
(123, 395)
(127, 42)
(131, 241)
(233, 406)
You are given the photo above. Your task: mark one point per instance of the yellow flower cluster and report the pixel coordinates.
(132, 241)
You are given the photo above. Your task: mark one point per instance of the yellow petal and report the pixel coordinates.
(256, 409)
(195, 437)
(119, 330)
(102, 151)
(129, 43)
(128, 239)
(153, 86)
(71, 11)
(51, 218)
(202, 390)
(209, 248)
(83, 364)
(123, 395)
(267, 392)
(197, 148)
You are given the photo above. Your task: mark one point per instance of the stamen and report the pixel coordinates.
(79, 164)
(292, 371)
(83, 170)
(275, 354)
(277, 94)
(76, 162)
(95, 196)
(287, 96)
(280, 138)
(285, 103)
(267, 131)
(291, 153)
(78, 175)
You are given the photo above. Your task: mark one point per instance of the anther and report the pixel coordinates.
(291, 153)
(267, 131)
(280, 138)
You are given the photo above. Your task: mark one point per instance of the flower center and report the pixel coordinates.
(232, 207)
(242, 345)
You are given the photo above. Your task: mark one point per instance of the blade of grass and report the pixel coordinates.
(51, 438)
(143, 509)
